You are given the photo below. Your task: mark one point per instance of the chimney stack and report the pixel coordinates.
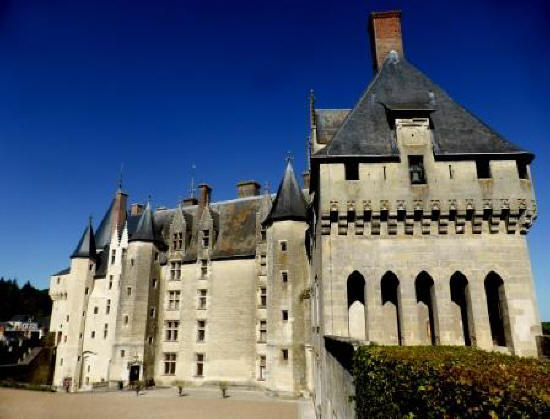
(119, 211)
(305, 176)
(248, 188)
(136, 209)
(385, 36)
(205, 193)
(187, 202)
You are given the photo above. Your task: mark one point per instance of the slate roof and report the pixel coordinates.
(63, 272)
(145, 229)
(105, 229)
(86, 246)
(289, 203)
(398, 87)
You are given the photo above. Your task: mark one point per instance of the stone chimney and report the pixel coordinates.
(385, 36)
(305, 176)
(248, 188)
(205, 193)
(136, 209)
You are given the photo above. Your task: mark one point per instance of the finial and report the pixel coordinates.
(149, 200)
(90, 219)
(266, 188)
(120, 177)
(289, 157)
(192, 188)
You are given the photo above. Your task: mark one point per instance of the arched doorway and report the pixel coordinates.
(461, 297)
(425, 298)
(389, 286)
(356, 306)
(496, 306)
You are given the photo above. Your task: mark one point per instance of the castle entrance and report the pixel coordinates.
(134, 373)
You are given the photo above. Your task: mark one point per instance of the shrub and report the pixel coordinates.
(447, 381)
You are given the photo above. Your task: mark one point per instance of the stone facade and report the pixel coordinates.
(411, 232)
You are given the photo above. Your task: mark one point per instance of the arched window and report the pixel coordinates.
(356, 306)
(460, 296)
(389, 286)
(425, 298)
(496, 306)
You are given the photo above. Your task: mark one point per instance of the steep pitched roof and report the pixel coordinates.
(145, 230)
(289, 203)
(86, 246)
(400, 87)
(105, 229)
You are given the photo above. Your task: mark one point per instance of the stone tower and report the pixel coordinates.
(287, 279)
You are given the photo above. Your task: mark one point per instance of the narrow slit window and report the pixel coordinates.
(352, 171)
(522, 169)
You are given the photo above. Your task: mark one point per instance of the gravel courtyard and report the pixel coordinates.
(151, 404)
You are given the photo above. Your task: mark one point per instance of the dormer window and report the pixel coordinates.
(416, 170)
(177, 241)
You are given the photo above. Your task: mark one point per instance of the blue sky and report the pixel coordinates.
(158, 86)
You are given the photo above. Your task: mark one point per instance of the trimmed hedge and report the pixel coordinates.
(448, 381)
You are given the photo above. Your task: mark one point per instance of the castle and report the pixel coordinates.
(409, 230)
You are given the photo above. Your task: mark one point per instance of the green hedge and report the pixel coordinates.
(448, 381)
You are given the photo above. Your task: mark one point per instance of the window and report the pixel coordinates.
(154, 283)
(483, 169)
(285, 315)
(284, 354)
(58, 280)
(124, 251)
(91, 266)
(263, 330)
(177, 241)
(96, 309)
(152, 312)
(416, 170)
(522, 169)
(205, 238)
(202, 299)
(175, 270)
(132, 262)
(122, 353)
(284, 276)
(86, 290)
(108, 307)
(150, 340)
(174, 300)
(283, 245)
(169, 363)
(93, 334)
(105, 330)
(204, 266)
(156, 256)
(129, 291)
(263, 297)
(263, 233)
(201, 330)
(200, 364)
(110, 281)
(352, 171)
(65, 338)
(61, 362)
(262, 368)
(67, 317)
(171, 330)
(125, 320)
(113, 256)
(262, 260)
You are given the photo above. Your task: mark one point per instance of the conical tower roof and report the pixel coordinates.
(145, 230)
(86, 245)
(289, 204)
(105, 229)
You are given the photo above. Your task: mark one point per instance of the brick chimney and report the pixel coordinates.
(385, 36)
(306, 176)
(119, 211)
(205, 193)
(136, 209)
(248, 188)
